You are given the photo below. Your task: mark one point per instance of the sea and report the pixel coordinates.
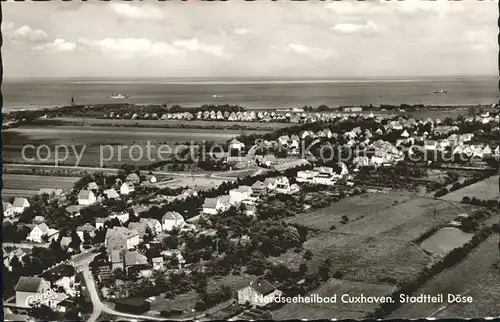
(257, 93)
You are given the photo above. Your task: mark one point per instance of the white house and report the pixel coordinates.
(239, 194)
(8, 210)
(306, 176)
(126, 188)
(133, 178)
(212, 206)
(236, 145)
(282, 185)
(121, 238)
(28, 287)
(19, 205)
(86, 197)
(111, 194)
(151, 178)
(36, 234)
(258, 293)
(85, 228)
(92, 186)
(172, 220)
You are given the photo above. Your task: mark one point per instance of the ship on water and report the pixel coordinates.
(118, 96)
(441, 91)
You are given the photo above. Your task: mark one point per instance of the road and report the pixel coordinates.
(100, 307)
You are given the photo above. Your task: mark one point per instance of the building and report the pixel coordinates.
(93, 186)
(29, 287)
(212, 206)
(121, 238)
(86, 197)
(62, 276)
(236, 145)
(259, 293)
(258, 188)
(38, 232)
(73, 210)
(157, 263)
(19, 205)
(132, 305)
(352, 109)
(239, 194)
(151, 178)
(50, 192)
(111, 194)
(8, 210)
(171, 220)
(85, 228)
(126, 188)
(144, 223)
(133, 178)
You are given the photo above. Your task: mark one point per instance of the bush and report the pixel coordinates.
(441, 192)
(332, 227)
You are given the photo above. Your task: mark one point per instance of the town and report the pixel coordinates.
(339, 201)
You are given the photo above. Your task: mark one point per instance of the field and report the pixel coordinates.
(99, 142)
(20, 185)
(485, 189)
(445, 240)
(474, 276)
(170, 123)
(337, 310)
(353, 208)
(378, 248)
(199, 183)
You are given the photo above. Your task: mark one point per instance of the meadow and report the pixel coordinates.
(21, 185)
(337, 310)
(484, 190)
(445, 240)
(91, 138)
(475, 276)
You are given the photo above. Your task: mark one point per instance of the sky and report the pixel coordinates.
(249, 39)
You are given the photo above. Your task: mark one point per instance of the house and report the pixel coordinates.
(173, 220)
(352, 109)
(236, 145)
(19, 205)
(258, 188)
(126, 188)
(121, 238)
(8, 210)
(62, 276)
(157, 263)
(259, 293)
(151, 178)
(86, 197)
(144, 224)
(283, 140)
(212, 206)
(282, 185)
(93, 186)
(39, 231)
(249, 209)
(133, 178)
(85, 228)
(111, 194)
(294, 142)
(239, 194)
(65, 241)
(306, 176)
(27, 288)
(125, 260)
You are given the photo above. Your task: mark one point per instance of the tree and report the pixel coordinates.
(44, 313)
(324, 269)
(87, 239)
(303, 269)
(308, 255)
(75, 241)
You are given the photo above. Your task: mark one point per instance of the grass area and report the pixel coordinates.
(353, 207)
(445, 240)
(378, 248)
(484, 190)
(337, 310)
(92, 138)
(474, 276)
(23, 185)
(184, 302)
(234, 282)
(169, 123)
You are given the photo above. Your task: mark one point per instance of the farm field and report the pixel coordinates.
(21, 185)
(474, 276)
(353, 207)
(484, 190)
(338, 310)
(90, 139)
(198, 183)
(169, 123)
(445, 240)
(378, 248)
